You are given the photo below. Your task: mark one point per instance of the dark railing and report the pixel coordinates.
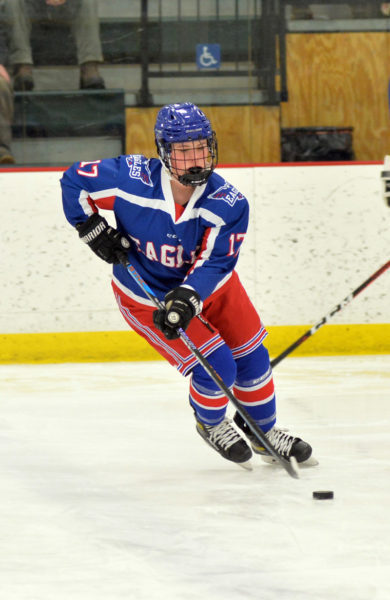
(160, 37)
(250, 44)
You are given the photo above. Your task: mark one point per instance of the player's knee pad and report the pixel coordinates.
(206, 398)
(223, 363)
(254, 387)
(253, 366)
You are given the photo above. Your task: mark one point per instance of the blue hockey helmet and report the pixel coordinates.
(185, 123)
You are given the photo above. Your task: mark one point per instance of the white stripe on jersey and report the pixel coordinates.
(165, 204)
(131, 294)
(205, 254)
(206, 214)
(154, 203)
(190, 212)
(139, 200)
(85, 205)
(108, 193)
(222, 282)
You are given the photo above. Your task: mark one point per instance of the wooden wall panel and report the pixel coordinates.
(139, 131)
(246, 134)
(341, 79)
(334, 80)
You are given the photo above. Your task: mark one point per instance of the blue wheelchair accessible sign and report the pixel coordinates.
(208, 56)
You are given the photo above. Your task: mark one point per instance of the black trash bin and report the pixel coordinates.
(317, 144)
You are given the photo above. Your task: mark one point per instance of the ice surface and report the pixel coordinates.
(108, 493)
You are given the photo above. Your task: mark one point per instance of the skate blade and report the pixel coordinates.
(247, 466)
(310, 462)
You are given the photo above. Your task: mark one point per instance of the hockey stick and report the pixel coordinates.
(327, 317)
(289, 465)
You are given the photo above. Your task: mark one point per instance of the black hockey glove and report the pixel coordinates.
(181, 304)
(105, 241)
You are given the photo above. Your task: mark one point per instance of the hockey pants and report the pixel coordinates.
(233, 347)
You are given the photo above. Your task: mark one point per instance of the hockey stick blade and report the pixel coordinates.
(290, 467)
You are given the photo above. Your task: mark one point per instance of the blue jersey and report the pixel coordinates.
(198, 248)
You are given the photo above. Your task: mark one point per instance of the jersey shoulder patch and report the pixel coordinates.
(227, 193)
(139, 168)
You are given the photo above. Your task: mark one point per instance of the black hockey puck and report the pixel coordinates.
(323, 495)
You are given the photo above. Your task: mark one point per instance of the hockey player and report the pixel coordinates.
(385, 175)
(181, 226)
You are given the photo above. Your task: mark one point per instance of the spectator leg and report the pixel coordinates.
(19, 32)
(85, 28)
(6, 115)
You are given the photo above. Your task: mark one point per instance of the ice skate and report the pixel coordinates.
(287, 445)
(226, 440)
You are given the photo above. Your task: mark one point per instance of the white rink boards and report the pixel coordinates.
(315, 234)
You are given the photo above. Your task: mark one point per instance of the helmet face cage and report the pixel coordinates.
(179, 130)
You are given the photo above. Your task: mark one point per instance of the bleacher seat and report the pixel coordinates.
(57, 110)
